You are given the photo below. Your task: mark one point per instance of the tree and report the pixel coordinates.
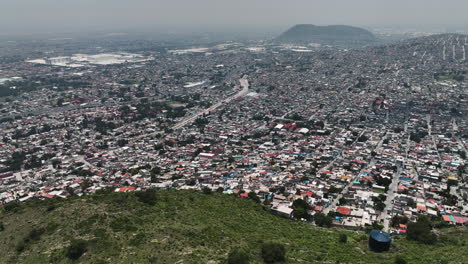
(155, 170)
(34, 235)
(12, 206)
(147, 197)
(382, 197)
(398, 219)
(379, 206)
(400, 260)
(320, 124)
(333, 189)
(76, 249)
(459, 77)
(56, 162)
(300, 209)
(342, 201)
(253, 196)
(122, 142)
(462, 154)
(191, 182)
(304, 178)
(421, 231)
(207, 190)
(375, 226)
(20, 246)
(238, 256)
(323, 220)
(343, 238)
(363, 138)
(273, 252)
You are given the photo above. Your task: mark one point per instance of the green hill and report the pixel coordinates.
(328, 35)
(187, 227)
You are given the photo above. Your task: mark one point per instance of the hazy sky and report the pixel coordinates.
(53, 15)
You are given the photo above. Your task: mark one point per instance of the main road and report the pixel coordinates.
(391, 193)
(187, 120)
(245, 89)
(372, 162)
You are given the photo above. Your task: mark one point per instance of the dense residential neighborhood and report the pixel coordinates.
(361, 138)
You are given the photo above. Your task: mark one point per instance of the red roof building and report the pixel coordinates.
(343, 210)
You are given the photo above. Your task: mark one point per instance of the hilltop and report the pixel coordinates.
(188, 227)
(327, 35)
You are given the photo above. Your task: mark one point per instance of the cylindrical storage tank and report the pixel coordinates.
(379, 241)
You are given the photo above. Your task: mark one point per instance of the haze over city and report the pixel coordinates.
(31, 16)
(234, 132)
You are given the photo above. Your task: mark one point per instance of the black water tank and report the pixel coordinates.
(379, 241)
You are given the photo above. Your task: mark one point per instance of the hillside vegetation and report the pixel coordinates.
(170, 226)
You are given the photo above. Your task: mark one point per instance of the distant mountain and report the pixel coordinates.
(326, 35)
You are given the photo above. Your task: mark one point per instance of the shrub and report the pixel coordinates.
(2, 227)
(137, 240)
(323, 220)
(76, 249)
(343, 238)
(206, 190)
(273, 252)
(375, 226)
(20, 246)
(147, 197)
(253, 196)
(12, 206)
(363, 238)
(421, 231)
(238, 256)
(153, 260)
(400, 260)
(398, 219)
(50, 207)
(300, 209)
(34, 234)
(105, 190)
(122, 224)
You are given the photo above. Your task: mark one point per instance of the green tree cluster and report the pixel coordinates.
(323, 220)
(147, 197)
(300, 209)
(421, 231)
(273, 252)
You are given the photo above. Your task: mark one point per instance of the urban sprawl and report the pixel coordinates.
(377, 135)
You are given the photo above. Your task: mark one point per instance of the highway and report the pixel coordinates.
(245, 89)
(187, 120)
